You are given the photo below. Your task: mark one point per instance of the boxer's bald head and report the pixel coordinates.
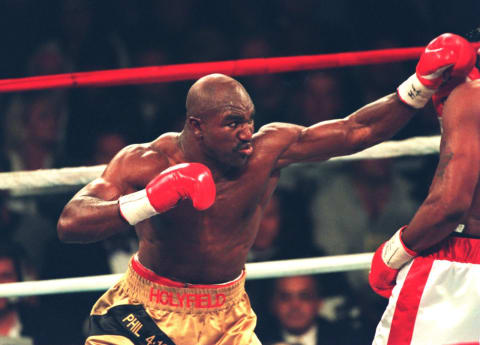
(214, 93)
(219, 121)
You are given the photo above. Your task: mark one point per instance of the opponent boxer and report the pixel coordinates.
(185, 284)
(430, 269)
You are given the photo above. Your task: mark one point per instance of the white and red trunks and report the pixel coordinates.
(437, 297)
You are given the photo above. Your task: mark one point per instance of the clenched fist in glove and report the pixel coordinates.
(447, 57)
(386, 262)
(188, 180)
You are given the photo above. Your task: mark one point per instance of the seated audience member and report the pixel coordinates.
(285, 234)
(40, 146)
(353, 212)
(32, 232)
(295, 305)
(106, 145)
(18, 317)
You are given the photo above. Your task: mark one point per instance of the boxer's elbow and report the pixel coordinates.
(67, 227)
(64, 226)
(454, 210)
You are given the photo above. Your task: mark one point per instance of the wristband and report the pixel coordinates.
(414, 93)
(136, 207)
(395, 254)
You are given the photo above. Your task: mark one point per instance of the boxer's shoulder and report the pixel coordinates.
(138, 162)
(277, 134)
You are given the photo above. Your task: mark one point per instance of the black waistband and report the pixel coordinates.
(463, 235)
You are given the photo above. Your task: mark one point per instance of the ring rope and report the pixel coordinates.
(178, 72)
(54, 180)
(257, 270)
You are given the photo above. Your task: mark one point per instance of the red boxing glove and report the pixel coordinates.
(188, 180)
(386, 263)
(447, 50)
(447, 57)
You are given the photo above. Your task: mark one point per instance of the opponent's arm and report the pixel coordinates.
(380, 120)
(450, 194)
(452, 189)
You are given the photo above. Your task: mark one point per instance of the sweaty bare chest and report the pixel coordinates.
(194, 242)
(236, 210)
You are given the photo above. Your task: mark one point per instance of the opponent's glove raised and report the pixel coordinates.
(386, 263)
(188, 180)
(445, 57)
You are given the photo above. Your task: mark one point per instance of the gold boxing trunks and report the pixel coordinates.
(146, 309)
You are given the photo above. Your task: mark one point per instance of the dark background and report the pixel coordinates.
(48, 37)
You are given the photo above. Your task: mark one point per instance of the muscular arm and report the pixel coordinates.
(450, 195)
(93, 213)
(366, 127)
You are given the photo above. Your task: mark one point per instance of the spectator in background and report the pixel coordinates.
(295, 305)
(32, 231)
(285, 234)
(171, 22)
(19, 318)
(81, 33)
(319, 96)
(40, 146)
(363, 199)
(151, 106)
(268, 89)
(352, 214)
(106, 146)
(81, 36)
(323, 96)
(46, 59)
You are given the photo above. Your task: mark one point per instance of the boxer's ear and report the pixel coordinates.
(195, 125)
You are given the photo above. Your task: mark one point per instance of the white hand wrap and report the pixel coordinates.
(414, 93)
(394, 252)
(136, 207)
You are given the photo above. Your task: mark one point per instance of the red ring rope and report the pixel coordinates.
(144, 75)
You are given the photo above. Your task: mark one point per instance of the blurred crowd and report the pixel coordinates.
(319, 209)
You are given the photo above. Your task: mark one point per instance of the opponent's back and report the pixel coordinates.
(459, 162)
(472, 109)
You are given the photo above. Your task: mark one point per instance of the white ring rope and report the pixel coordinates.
(258, 270)
(53, 180)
